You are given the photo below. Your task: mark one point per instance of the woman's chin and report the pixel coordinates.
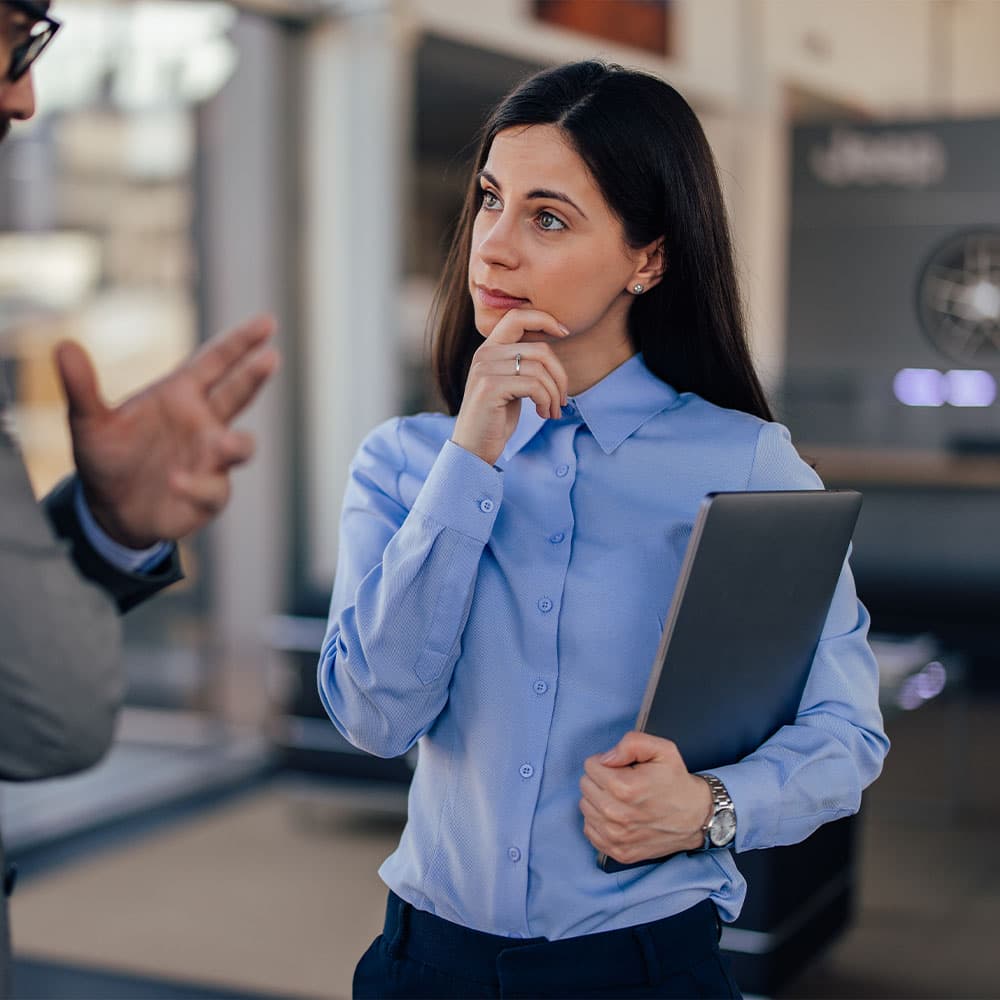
(486, 322)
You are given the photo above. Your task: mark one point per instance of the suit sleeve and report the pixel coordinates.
(60, 644)
(127, 589)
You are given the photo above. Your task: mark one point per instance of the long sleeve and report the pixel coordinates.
(60, 674)
(128, 588)
(814, 770)
(403, 589)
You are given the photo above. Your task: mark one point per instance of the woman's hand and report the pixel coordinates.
(497, 383)
(650, 809)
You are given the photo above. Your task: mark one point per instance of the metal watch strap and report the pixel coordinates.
(720, 800)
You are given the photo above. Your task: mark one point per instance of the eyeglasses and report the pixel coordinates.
(42, 31)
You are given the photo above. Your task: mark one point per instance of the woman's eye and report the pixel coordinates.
(490, 200)
(549, 222)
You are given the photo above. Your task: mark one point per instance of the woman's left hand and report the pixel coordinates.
(641, 802)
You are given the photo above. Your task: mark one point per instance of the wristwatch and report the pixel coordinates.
(720, 830)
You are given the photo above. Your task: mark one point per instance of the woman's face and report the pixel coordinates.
(544, 238)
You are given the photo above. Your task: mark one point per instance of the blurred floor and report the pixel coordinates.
(277, 893)
(928, 922)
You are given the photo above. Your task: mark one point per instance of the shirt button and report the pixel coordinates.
(545, 605)
(486, 506)
(526, 770)
(514, 854)
(556, 538)
(561, 470)
(541, 687)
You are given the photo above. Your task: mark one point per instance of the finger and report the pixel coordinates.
(517, 322)
(635, 747)
(541, 354)
(538, 370)
(533, 380)
(600, 841)
(491, 384)
(79, 381)
(217, 358)
(235, 448)
(595, 771)
(541, 392)
(210, 493)
(234, 391)
(598, 773)
(590, 789)
(607, 813)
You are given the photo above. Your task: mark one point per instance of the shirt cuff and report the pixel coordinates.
(462, 492)
(118, 555)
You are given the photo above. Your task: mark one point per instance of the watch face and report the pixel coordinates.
(958, 297)
(723, 827)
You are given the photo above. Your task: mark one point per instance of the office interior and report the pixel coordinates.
(195, 162)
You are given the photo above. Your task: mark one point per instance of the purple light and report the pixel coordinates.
(970, 388)
(920, 387)
(931, 680)
(909, 696)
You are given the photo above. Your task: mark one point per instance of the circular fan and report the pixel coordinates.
(958, 297)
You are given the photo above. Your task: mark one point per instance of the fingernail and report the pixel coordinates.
(607, 758)
(565, 330)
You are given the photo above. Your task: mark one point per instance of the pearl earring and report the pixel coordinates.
(637, 288)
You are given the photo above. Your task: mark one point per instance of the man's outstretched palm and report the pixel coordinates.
(157, 466)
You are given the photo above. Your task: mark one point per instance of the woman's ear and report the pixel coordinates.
(651, 264)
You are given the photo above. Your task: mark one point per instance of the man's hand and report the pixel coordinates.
(157, 466)
(640, 802)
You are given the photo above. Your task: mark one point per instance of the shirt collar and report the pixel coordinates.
(613, 409)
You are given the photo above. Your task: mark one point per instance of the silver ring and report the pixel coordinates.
(517, 364)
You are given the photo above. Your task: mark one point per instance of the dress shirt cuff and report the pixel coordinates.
(118, 555)
(757, 817)
(462, 492)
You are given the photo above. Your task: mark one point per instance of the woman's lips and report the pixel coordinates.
(495, 298)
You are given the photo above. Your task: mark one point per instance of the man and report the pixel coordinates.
(154, 468)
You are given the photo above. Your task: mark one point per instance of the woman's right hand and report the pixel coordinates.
(494, 389)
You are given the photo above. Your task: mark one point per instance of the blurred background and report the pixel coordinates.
(194, 162)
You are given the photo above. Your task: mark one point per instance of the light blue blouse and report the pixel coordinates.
(506, 617)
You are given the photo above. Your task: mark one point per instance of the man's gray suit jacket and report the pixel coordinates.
(61, 679)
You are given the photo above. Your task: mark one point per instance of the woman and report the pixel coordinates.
(504, 572)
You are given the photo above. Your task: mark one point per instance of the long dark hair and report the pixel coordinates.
(648, 153)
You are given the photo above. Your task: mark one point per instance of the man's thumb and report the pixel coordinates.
(79, 380)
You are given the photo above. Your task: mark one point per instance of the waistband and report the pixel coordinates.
(643, 954)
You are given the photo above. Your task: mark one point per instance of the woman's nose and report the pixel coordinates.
(497, 245)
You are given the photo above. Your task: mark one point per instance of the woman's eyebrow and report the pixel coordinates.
(544, 193)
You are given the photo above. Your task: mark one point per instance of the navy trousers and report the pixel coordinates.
(420, 955)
